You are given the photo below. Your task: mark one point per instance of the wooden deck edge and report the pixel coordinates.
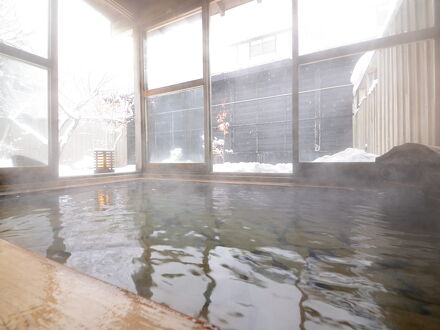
(36, 292)
(16, 189)
(247, 179)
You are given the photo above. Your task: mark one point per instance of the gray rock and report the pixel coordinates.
(411, 163)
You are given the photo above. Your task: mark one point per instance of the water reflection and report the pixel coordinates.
(248, 257)
(104, 200)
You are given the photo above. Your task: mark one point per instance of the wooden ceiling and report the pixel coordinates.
(124, 13)
(142, 11)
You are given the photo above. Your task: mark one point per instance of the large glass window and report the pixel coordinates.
(174, 52)
(394, 98)
(251, 51)
(325, 107)
(96, 98)
(24, 97)
(325, 24)
(175, 100)
(24, 25)
(176, 128)
(355, 108)
(23, 114)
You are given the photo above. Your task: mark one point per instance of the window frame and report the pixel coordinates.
(347, 50)
(203, 82)
(50, 64)
(297, 60)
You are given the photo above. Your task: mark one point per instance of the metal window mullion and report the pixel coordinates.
(174, 88)
(49, 64)
(140, 106)
(207, 84)
(437, 70)
(146, 109)
(295, 87)
(24, 56)
(53, 90)
(365, 46)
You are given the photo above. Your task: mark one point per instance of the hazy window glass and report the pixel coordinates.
(250, 34)
(355, 108)
(23, 114)
(325, 24)
(251, 52)
(263, 46)
(24, 24)
(175, 52)
(176, 129)
(96, 100)
(325, 107)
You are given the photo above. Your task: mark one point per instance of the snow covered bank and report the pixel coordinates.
(6, 162)
(176, 156)
(349, 155)
(251, 167)
(69, 171)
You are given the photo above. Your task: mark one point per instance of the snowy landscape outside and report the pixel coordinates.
(96, 109)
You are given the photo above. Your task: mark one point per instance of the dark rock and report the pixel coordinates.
(411, 154)
(412, 163)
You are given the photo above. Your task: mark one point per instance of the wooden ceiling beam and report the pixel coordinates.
(158, 12)
(114, 10)
(221, 7)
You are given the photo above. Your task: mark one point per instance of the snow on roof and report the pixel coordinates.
(363, 63)
(360, 70)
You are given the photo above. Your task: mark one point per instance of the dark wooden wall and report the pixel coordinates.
(258, 104)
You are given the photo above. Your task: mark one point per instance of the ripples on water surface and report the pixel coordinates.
(245, 256)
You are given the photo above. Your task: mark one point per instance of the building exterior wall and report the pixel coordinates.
(258, 103)
(395, 102)
(325, 114)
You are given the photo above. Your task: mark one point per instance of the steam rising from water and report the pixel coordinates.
(247, 257)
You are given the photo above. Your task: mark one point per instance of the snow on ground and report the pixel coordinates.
(350, 155)
(66, 170)
(126, 169)
(253, 167)
(6, 162)
(176, 156)
(86, 166)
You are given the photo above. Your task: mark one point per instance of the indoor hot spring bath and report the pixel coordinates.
(247, 256)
